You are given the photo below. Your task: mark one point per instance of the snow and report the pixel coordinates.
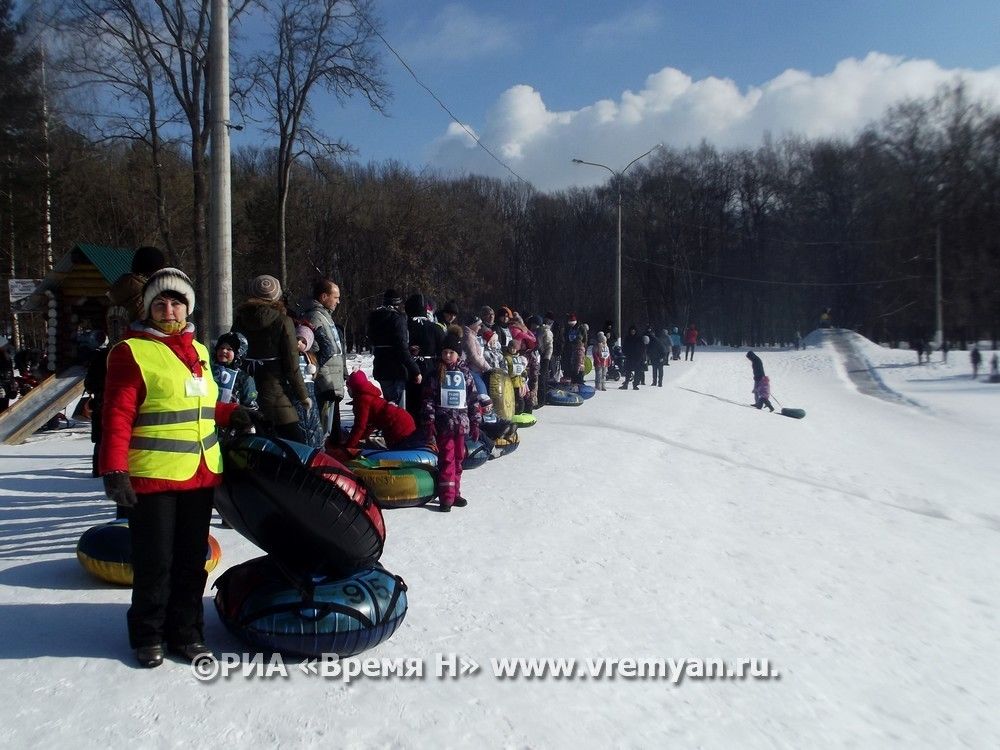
(855, 549)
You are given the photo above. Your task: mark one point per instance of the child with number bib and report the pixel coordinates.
(450, 412)
(516, 365)
(235, 385)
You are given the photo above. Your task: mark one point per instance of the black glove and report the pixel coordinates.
(240, 420)
(118, 488)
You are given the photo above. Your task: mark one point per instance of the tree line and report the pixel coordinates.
(751, 244)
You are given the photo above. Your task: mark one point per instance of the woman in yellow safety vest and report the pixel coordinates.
(160, 457)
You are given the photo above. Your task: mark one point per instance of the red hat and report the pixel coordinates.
(571, 316)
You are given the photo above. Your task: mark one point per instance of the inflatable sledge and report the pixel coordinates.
(477, 452)
(496, 429)
(524, 420)
(560, 397)
(501, 392)
(388, 459)
(402, 486)
(793, 413)
(312, 615)
(105, 551)
(302, 506)
(504, 445)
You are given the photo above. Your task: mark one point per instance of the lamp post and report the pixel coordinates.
(618, 255)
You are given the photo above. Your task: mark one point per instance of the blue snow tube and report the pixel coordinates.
(559, 397)
(390, 459)
(476, 452)
(311, 615)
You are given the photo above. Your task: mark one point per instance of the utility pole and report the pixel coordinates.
(939, 327)
(619, 177)
(220, 314)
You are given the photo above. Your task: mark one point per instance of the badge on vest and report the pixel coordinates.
(195, 386)
(227, 381)
(453, 390)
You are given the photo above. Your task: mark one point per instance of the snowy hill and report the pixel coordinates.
(856, 550)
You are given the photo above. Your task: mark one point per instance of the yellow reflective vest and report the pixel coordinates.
(175, 425)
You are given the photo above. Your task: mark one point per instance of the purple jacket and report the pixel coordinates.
(440, 420)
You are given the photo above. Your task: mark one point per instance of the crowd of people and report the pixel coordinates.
(161, 401)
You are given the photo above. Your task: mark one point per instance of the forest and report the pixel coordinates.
(751, 244)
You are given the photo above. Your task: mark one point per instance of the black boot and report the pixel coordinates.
(460, 502)
(149, 656)
(190, 651)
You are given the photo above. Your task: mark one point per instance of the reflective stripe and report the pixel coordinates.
(150, 419)
(164, 445)
(167, 445)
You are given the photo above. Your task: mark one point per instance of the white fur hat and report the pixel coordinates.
(168, 280)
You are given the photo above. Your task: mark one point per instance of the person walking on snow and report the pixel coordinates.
(761, 383)
(690, 341)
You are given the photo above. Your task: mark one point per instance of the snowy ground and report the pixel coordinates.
(856, 549)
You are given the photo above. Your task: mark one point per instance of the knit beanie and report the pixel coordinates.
(391, 297)
(168, 280)
(266, 287)
(472, 320)
(306, 333)
(450, 307)
(453, 340)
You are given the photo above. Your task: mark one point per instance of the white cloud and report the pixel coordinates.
(458, 33)
(676, 110)
(631, 24)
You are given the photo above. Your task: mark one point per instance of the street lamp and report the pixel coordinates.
(618, 257)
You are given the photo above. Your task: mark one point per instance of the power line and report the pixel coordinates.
(436, 98)
(775, 283)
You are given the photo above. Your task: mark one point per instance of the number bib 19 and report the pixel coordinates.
(453, 390)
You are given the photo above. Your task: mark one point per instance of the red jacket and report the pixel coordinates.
(125, 391)
(690, 335)
(371, 411)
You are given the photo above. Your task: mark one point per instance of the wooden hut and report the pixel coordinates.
(74, 294)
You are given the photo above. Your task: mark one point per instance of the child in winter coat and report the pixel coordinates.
(371, 412)
(450, 412)
(235, 385)
(492, 352)
(516, 365)
(601, 355)
(308, 413)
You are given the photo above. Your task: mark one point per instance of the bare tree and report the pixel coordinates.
(152, 55)
(324, 44)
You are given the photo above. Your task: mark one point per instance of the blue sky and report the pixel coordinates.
(543, 81)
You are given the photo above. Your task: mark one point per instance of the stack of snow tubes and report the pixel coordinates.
(320, 589)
